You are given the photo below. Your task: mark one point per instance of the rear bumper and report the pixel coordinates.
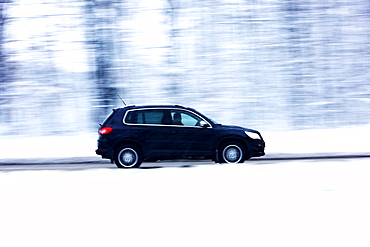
(105, 153)
(104, 148)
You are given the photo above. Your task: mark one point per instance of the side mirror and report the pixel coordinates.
(204, 124)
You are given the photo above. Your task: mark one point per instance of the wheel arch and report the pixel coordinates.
(233, 139)
(128, 142)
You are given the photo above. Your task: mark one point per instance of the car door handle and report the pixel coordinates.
(175, 132)
(138, 131)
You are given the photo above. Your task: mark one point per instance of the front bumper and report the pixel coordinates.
(257, 148)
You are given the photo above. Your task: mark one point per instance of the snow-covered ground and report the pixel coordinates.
(285, 204)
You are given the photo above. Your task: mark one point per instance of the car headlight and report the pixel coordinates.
(252, 135)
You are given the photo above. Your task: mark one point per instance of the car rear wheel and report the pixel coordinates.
(128, 156)
(232, 152)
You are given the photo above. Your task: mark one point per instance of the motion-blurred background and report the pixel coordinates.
(265, 64)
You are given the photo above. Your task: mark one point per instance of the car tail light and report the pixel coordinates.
(105, 130)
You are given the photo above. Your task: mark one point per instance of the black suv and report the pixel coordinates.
(133, 134)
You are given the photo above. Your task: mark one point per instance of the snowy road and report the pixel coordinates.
(259, 203)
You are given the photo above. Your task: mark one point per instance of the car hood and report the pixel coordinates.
(233, 127)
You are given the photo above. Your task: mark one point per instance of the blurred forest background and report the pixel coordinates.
(265, 64)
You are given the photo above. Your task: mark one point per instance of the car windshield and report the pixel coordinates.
(213, 121)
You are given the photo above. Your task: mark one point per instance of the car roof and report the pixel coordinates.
(129, 107)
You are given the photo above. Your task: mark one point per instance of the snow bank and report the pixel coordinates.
(287, 204)
(341, 140)
(48, 146)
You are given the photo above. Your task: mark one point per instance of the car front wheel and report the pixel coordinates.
(231, 153)
(127, 156)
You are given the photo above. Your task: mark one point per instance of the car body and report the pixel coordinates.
(133, 134)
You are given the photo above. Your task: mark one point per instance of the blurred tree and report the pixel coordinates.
(296, 27)
(173, 57)
(100, 18)
(4, 67)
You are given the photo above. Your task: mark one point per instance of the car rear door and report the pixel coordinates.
(151, 127)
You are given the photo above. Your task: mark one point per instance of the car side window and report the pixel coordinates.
(184, 118)
(131, 117)
(155, 116)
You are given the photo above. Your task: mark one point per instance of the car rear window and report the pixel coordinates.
(109, 118)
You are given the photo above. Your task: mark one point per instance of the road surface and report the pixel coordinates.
(105, 164)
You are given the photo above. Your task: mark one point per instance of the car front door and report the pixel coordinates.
(188, 136)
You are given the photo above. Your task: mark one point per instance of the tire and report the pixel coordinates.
(128, 156)
(231, 153)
